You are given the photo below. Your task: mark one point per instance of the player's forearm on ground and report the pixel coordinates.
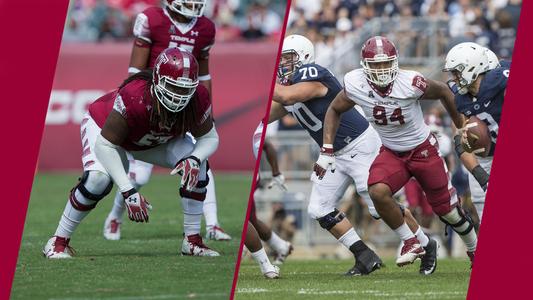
(272, 158)
(206, 144)
(111, 157)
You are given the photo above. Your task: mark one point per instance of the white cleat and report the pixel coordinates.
(272, 274)
(58, 248)
(217, 234)
(282, 255)
(112, 229)
(194, 246)
(411, 250)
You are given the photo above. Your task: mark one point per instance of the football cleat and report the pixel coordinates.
(366, 262)
(194, 246)
(411, 250)
(272, 274)
(471, 256)
(112, 229)
(282, 255)
(58, 248)
(216, 233)
(429, 260)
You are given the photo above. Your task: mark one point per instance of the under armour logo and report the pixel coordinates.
(425, 153)
(194, 33)
(371, 94)
(132, 200)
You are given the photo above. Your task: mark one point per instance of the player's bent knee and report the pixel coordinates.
(95, 185)
(379, 192)
(459, 220)
(330, 220)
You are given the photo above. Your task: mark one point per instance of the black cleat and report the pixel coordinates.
(366, 262)
(429, 260)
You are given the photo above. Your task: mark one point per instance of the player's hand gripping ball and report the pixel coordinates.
(476, 137)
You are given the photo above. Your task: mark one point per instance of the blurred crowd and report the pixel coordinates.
(104, 20)
(329, 23)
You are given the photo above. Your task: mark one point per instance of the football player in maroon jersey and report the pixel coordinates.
(147, 118)
(179, 24)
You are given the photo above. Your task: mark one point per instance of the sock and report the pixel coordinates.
(72, 217)
(192, 215)
(118, 208)
(261, 258)
(278, 244)
(404, 232)
(422, 237)
(210, 204)
(349, 238)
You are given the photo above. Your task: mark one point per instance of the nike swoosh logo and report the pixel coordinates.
(486, 104)
(352, 156)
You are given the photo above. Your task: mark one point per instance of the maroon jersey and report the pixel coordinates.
(135, 103)
(155, 26)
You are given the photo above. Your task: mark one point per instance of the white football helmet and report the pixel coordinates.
(467, 61)
(187, 8)
(494, 62)
(303, 53)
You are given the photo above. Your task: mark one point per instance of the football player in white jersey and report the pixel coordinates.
(390, 98)
(306, 92)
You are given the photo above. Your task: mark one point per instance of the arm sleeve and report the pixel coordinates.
(141, 28)
(111, 157)
(206, 145)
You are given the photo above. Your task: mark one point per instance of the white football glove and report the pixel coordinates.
(189, 169)
(278, 180)
(325, 160)
(137, 206)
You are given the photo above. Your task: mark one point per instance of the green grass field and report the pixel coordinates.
(143, 265)
(305, 279)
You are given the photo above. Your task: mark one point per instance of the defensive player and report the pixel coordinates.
(282, 247)
(390, 98)
(479, 81)
(147, 117)
(179, 24)
(306, 91)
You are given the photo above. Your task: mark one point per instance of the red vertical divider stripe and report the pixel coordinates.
(31, 34)
(259, 155)
(503, 263)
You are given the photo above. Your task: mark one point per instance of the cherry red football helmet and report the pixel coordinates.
(187, 8)
(379, 59)
(175, 78)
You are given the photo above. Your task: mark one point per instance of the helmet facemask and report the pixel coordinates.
(187, 8)
(381, 70)
(456, 76)
(289, 63)
(174, 95)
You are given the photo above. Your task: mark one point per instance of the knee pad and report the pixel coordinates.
(330, 220)
(197, 194)
(459, 220)
(94, 185)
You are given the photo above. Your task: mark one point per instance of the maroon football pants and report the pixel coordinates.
(425, 165)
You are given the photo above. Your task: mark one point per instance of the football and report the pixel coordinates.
(478, 137)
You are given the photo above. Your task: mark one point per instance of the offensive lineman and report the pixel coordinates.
(179, 24)
(147, 117)
(306, 91)
(389, 97)
(479, 91)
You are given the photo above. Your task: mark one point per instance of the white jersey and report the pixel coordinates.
(397, 117)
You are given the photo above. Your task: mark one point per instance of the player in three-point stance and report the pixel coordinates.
(479, 81)
(147, 117)
(306, 90)
(180, 23)
(390, 98)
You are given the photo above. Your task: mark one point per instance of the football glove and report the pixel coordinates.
(325, 160)
(137, 206)
(189, 169)
(278, 180)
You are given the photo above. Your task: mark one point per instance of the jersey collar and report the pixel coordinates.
(382, 94)
(182, 27)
